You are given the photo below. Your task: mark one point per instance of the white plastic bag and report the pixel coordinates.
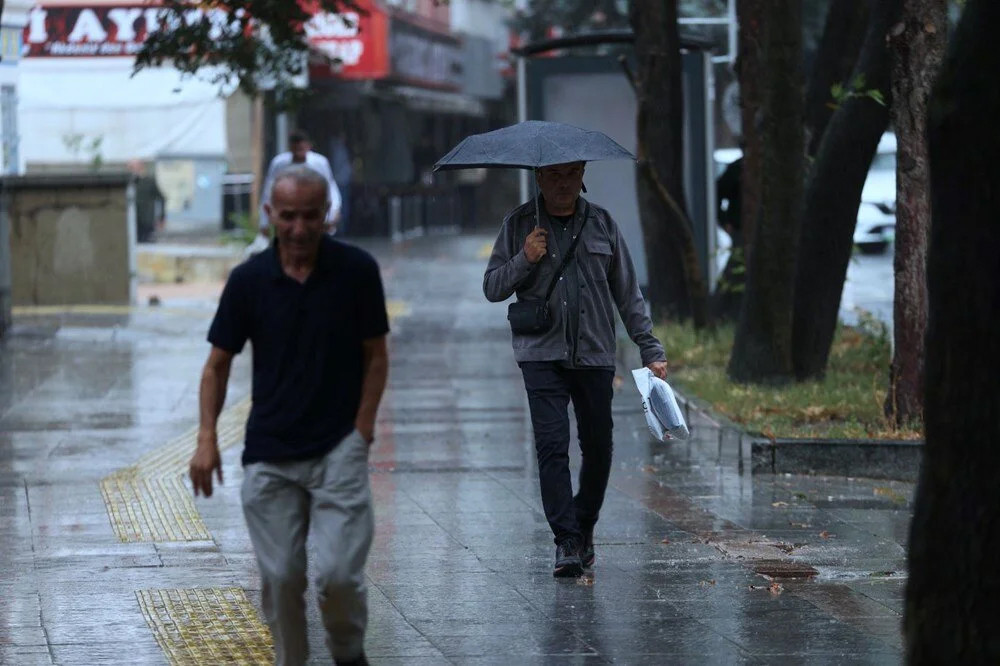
(663, 414)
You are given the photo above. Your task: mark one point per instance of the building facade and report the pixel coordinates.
(414, 78)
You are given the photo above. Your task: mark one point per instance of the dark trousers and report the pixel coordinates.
(550, 387)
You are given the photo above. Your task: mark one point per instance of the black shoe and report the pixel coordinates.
(587, 555)
(568, 560)
(359, 661)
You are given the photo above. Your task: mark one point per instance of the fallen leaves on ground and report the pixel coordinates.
(825, 535)
(896, 497)
(779, 504)
(707, 583)
(586, 581)
(821, 413)
(775, 588)
(665, 541)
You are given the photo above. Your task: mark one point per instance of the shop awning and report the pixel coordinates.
(438, 101)
(76, 109)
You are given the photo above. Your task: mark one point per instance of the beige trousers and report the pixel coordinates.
(280, 500)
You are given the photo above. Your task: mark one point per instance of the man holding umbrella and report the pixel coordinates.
(569, 255)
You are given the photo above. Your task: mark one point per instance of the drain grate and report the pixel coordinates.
(206, 626)
(783, 569)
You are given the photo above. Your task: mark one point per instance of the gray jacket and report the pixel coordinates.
(606, 279)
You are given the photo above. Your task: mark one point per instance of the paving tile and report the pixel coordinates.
(515, 648)
(807, 635)
(25, 655)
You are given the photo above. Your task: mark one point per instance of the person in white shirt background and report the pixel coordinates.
(299, 152)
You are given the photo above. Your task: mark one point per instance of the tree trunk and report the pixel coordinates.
(727, 301)
(750, 14)
(677, 288)
(833, 194)
(843, 33)
(953, 591)
(917, 44)
(762, 350)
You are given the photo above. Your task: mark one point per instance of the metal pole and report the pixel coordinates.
(733, 27)
(257, 152)
(281, 129)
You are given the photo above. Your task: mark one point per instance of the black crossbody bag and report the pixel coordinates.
(532, 317)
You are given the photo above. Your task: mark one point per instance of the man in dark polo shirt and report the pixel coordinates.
(314, 310)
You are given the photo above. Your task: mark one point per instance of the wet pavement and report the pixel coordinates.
(107, 559)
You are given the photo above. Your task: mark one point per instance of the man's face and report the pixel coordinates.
(560, 185)
(298, 213)
(299, 150)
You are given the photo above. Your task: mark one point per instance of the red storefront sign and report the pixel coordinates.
(358, 40)
(360, 43)
(98, 30)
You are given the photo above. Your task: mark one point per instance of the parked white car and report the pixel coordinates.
(876, 226)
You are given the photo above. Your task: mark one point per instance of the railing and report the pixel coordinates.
(406, 212)
(398, 212)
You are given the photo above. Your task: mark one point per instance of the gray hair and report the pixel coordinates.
(302, 174)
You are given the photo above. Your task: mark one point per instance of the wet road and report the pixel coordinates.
(106, 558)
(869, 288)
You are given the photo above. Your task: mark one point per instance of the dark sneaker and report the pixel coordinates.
(568, 560)
(587, 556)
(360, 661)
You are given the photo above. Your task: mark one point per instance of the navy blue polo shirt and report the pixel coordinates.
(307, 346)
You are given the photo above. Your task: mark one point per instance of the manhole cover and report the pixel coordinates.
(783, 569)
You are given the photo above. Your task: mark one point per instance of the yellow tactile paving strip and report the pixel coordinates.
(394, 308)
(148, 501)
(63, 310)
(71, 309)
(206, 626)
(397, 309)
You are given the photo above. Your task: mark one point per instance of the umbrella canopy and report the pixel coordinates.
(532, 144)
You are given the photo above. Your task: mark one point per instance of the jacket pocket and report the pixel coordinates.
(598, 258)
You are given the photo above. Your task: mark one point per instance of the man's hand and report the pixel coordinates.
(658, 368)
(535, 245)
(205, 460)
(366, 430)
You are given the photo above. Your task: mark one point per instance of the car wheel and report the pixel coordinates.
(874, 248)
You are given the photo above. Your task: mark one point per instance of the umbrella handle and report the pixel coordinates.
(538, 204)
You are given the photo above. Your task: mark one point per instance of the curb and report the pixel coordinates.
(873, 459)
(172, 264)
(897, 460)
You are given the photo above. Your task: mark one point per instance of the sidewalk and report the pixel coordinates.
(107, 558)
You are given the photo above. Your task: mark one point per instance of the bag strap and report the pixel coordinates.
(569, 253)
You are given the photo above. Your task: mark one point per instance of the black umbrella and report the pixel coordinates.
(532, 144)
